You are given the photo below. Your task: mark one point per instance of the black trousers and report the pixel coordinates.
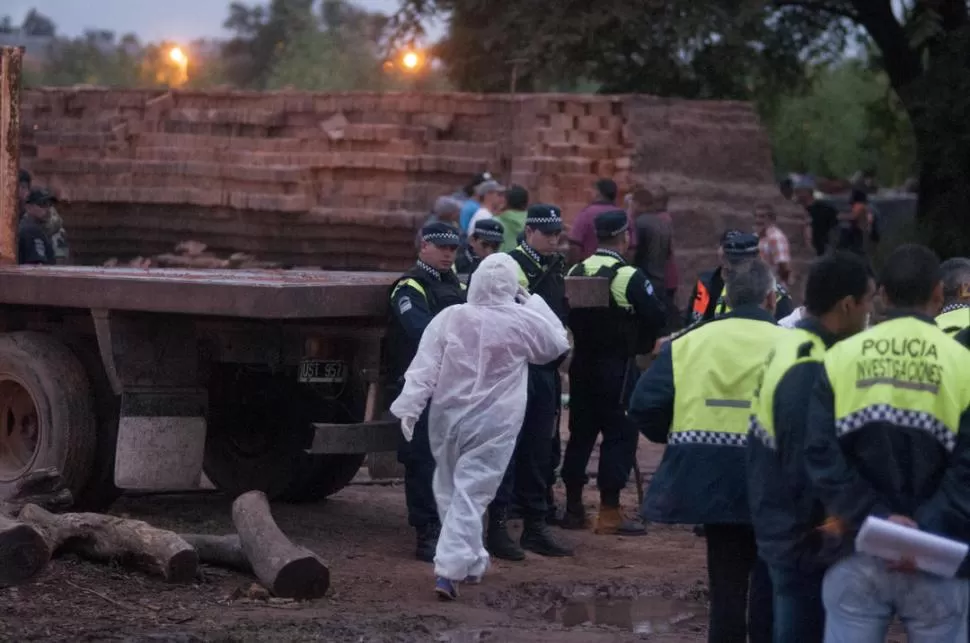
(740, 587)
(598, 390)
(418, 474)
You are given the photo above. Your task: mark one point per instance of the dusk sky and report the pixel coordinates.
(178, 20)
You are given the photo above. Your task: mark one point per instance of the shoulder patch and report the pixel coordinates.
(805, 350)
(404, 305)
(648, 287)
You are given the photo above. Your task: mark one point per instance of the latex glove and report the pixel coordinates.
(407, 428)
(522, 295)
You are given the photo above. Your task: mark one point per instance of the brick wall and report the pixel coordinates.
(343, 180)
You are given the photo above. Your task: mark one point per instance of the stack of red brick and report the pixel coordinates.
(344, 180)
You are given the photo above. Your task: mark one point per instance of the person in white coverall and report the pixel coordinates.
(472, 363)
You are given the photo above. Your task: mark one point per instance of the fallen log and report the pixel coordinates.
(23, 552)
(222, 551)
(43, 488)
(286, 569)
(107, 538)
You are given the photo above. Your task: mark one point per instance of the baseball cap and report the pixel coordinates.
(41, 196)
(490, 185)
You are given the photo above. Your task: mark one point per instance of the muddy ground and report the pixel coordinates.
(649, 588)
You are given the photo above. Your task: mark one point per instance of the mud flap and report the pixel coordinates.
(161, 440)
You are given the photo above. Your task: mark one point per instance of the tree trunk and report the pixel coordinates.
(223, 551)
(107, 538)
(23, 552)
(937, 105)
(286, 569)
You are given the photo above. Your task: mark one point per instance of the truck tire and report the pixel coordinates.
(258, 427)
(100, 491)
(47, 416)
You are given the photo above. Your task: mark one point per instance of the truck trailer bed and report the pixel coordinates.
(255, 294)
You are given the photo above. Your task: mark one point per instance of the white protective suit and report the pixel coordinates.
(472, 363)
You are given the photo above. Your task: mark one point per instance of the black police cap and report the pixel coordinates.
(489, 230)
(440, 234)
(544, 218)
(611, 224)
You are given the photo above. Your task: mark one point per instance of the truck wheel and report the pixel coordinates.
(258, 427)
(47, 414)
(328, 473)
(100, 491)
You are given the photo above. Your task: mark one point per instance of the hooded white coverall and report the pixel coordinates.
(472, 363)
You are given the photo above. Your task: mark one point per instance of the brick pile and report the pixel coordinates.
(342, 181)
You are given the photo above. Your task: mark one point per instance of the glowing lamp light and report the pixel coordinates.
(178, 56)
(411, 60)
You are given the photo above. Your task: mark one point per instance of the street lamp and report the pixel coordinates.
(177, 56)
(411, 60)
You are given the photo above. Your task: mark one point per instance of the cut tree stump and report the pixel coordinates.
(23, 552)
(107, 538)
(223, 551)
(286, 569)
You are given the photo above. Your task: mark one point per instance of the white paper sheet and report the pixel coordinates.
(889, 541)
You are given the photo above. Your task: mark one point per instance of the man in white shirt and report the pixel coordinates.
(490, 195)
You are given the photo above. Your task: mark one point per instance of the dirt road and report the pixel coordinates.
(649, 588)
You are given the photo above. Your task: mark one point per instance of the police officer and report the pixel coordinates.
(532, 471)
(602, 374)
(33, 242)
(429, 287)
(785, 513)
(955, 315)
(702, 415)
(887, 437)
(485, 239)
(707, 299)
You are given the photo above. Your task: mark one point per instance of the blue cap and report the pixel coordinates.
(440, 234)
(739, 245)
(611, 224)
(544, 218)
(489, 230)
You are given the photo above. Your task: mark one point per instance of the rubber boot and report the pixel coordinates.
(575, 517)
(611, 522)
(427, 542)
(537, 538)
(498, 542)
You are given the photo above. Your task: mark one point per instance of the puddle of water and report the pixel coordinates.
(643, 615)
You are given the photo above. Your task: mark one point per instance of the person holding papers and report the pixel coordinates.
(888, 436)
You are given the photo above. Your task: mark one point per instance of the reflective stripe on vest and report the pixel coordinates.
(716, 371)
(618, 285)
(954, 321)
(413, 283)
(798, 347)
(895, 373)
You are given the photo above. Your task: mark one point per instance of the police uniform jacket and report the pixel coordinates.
(466, 261)
(703, 417)
(785, 511)
(888, 428)
(707, 299)
(420, 294)
(545, 277)
(954, 318)
(33, 243)
(635, 316)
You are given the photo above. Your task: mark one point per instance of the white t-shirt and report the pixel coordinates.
(482, 213)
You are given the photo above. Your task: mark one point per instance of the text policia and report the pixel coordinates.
(911, 361)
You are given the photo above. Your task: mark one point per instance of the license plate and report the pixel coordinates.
(317, 371)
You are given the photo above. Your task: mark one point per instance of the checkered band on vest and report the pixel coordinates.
(716, 438)
(918, 420)
(442, 236)
(756, 429)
